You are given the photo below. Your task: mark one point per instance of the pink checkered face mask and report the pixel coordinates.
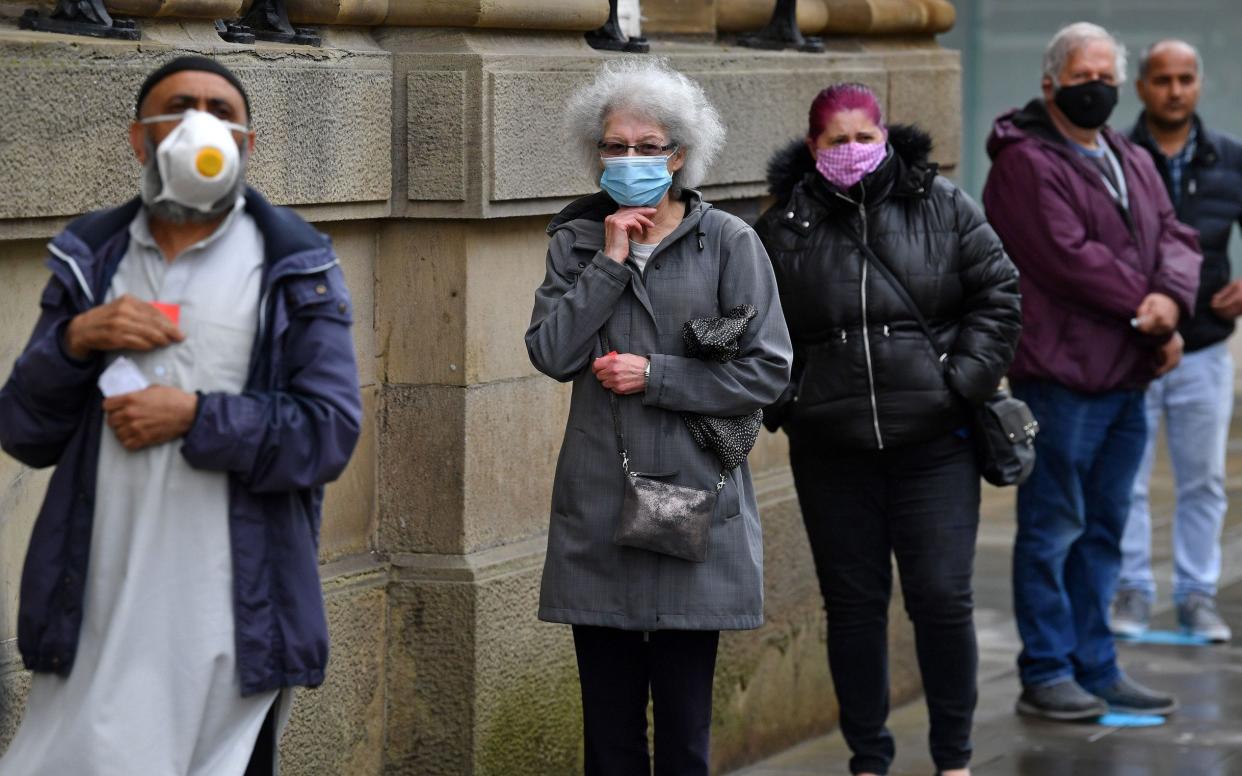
(846, 164)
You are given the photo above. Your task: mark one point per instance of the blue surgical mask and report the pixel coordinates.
(636, 181)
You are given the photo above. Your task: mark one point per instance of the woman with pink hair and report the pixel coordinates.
(903, 309)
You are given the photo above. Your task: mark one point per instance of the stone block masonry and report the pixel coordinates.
(432, 157)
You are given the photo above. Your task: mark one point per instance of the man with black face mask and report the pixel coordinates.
(192, 379)
(1107, 271)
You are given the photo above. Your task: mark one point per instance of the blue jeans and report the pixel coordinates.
(1071, 515)
(1196, 401)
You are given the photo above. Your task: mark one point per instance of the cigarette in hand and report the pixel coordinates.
(1139, 321)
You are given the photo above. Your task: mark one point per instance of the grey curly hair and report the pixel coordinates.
(649, 87)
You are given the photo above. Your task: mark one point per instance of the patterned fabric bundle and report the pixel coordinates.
(717, 339)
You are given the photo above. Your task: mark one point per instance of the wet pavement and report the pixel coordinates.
(1203, 738)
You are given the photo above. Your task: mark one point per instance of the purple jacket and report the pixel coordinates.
(292, 430)
(1085, 266)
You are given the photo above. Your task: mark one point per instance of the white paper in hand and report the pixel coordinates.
(122, 376)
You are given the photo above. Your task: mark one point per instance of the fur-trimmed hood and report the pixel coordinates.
(913, 146)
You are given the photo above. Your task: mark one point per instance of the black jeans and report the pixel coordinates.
(617, 669)
(921, 504)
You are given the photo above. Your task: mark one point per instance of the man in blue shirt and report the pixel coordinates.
(1203, 172)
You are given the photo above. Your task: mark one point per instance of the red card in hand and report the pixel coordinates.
(171, 311)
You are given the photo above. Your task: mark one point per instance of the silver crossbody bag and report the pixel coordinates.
(660, 516)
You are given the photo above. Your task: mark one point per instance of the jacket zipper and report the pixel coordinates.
(875, 409)
(651, 259)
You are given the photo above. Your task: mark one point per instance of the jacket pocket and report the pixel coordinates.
(831, 371)
(728, 500)
(906, 361)
(568, 484)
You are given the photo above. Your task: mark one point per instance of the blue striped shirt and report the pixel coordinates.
(1178, 163)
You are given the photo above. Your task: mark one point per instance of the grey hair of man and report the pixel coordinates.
(1070, 39)
(176, 213)
(1144, 63)
(651, 88)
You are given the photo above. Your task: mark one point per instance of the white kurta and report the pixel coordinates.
(154, 689)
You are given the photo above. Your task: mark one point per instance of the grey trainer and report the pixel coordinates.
(1131, 614)
(1064, 701)
(1198, 616)
(1126, 696)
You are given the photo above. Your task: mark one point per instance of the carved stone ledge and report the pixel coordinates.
(544, 15)
(843, 17)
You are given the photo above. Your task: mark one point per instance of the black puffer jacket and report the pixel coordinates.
(865, 375)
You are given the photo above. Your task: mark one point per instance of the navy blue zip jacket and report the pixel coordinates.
(291, 431)
(1210, 201)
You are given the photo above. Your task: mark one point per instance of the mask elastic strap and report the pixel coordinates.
(181, 116)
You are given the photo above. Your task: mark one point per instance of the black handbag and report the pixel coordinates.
(1004, 432)
(1003, 428)
(660, 516)
(719, 340)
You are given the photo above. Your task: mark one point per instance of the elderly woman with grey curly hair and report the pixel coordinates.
(627, 269)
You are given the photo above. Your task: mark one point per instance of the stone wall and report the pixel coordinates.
(432, 158)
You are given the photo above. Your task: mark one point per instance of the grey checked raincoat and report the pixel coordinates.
(711, 263)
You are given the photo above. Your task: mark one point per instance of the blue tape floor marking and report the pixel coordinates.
(1170, 638)
(1114, 719)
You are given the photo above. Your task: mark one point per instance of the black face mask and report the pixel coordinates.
(1087, 105)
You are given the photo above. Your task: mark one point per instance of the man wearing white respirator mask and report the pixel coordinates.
(192, 378)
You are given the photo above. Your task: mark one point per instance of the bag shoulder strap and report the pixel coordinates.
(899, 287)
(616, 423)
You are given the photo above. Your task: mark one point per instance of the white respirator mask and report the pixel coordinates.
(199, 161)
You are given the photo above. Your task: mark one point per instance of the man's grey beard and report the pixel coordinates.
(176, 213)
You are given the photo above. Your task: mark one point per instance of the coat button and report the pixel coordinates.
(55, 662)
(806, 224)
(789, 214)
(321, 289)
(342, 307)
(581, 264)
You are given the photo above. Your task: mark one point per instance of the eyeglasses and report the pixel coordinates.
(643, 149)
